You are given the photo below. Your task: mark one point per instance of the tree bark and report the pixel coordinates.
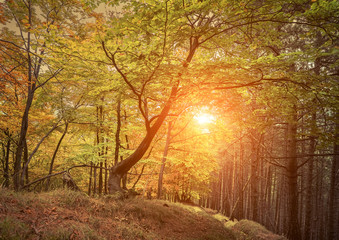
(24, 168)
(334, 195)
(94, 179)
(254, 178)
(117, 133)
(99, 140)
(241, 182)
(21, 144)
(106, 175)
(100, 178)
(294, 232)
(309, 195)
(6, 161)
(90, 180)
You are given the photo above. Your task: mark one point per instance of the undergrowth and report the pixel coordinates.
(65, 214)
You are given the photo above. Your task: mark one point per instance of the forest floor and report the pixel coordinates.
(64, 214)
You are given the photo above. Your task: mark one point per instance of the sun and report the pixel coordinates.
(204, 118)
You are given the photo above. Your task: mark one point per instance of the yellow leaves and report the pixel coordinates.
(3, 18)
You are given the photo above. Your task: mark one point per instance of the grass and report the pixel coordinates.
(249, 230)
(11, 229)
(63, 214)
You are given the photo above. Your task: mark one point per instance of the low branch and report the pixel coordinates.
(141, 173)
(36, 149)
(58, 173)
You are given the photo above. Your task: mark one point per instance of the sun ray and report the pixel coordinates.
(204, 118)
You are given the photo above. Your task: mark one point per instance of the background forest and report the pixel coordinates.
(232, 105)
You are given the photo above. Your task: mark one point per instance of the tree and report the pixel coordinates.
(36, 33)
(199, 25)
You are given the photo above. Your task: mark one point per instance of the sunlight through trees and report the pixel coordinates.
(231, 105)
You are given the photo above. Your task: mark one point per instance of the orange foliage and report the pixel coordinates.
(13, 83)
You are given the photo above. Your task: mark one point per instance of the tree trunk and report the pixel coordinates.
(94, 179)
(268, 193)
(117, 172)
(294, 232)
(241, 182)
(24, 122)
(309, 192)
(106, 174)
(100, 178)
(24, 168)
(117, 134)
(54, 155)
(254, 178)
(90, 180)
(333, 222)
(21, 144)
(99, 140)
(6, 163)
(278, 200)
(164, 157)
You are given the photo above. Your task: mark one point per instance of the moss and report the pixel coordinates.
(254, 231)
(250, 227)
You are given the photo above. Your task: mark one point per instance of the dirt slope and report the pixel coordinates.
(72, 215)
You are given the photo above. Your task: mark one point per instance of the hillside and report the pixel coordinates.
(73, 215)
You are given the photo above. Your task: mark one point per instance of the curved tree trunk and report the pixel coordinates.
(119, 170)
(54, 155)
